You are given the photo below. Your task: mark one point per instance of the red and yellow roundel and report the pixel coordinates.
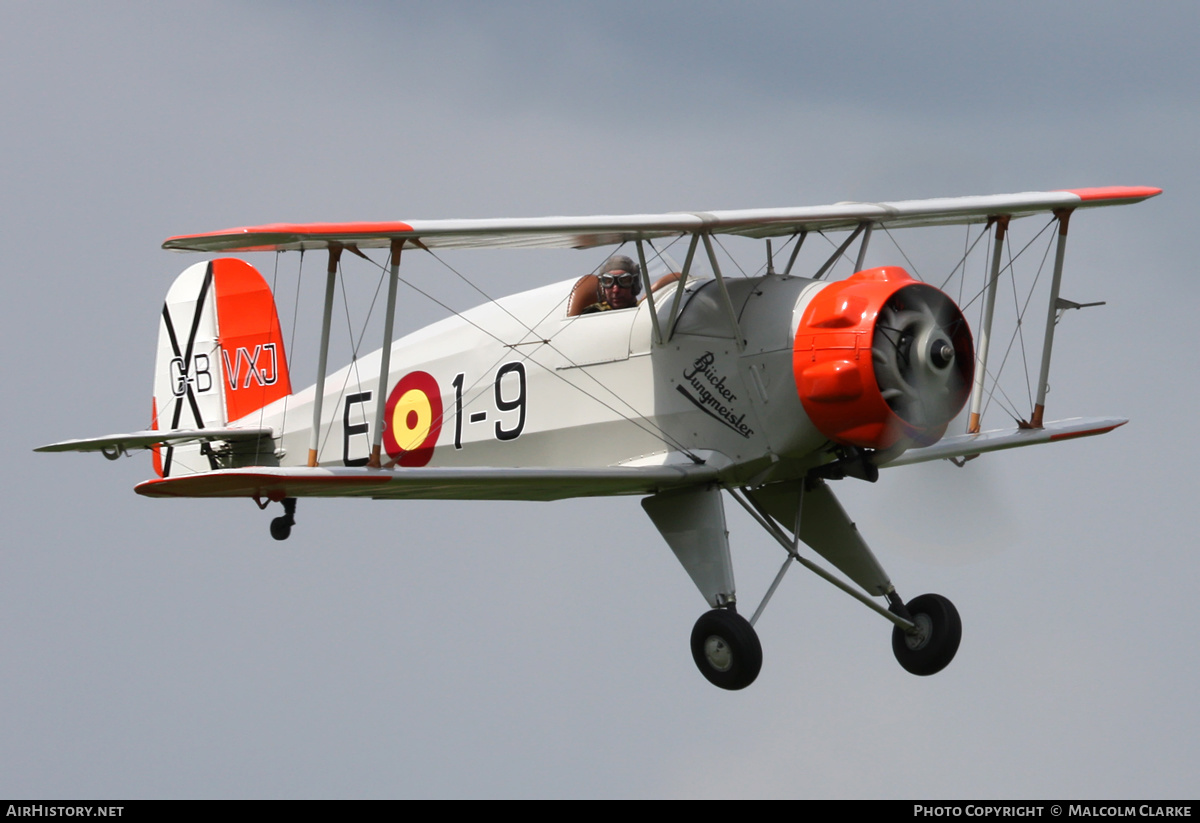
(412, 419)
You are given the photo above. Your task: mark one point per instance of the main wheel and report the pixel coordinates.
(933, 644)
(726, 649)
(281, 528)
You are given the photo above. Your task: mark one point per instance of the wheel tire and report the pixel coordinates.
(281, 529)
(934, 646)
(726, 649)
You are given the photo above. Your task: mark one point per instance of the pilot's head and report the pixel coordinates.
(620, 282)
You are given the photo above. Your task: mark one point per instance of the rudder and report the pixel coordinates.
(220, 357)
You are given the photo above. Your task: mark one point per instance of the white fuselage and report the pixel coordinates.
(522, 384)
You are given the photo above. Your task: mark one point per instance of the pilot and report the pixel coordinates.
(620, 283)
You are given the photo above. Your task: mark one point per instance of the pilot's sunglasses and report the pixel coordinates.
(625, 281)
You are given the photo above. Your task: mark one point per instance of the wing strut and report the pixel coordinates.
(1039, 408)
(862, 248)
(385, 353)
(641, 250)
(795, 252)
(985, 332)
(335, 254)
(728, 303)
(793, 554)
(682, 284)
(833, 258)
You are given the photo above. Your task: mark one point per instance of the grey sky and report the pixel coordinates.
(161, 648)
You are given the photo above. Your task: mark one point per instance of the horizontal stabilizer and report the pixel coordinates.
(426, 483)
(968, 445)
(115, 444)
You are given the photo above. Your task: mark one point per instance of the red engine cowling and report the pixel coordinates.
(882, 360)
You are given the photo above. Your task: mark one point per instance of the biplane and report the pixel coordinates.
(765, 387)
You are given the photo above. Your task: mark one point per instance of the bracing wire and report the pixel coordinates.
(843, 256)
(642, 423)
(355, 345)
(717, 239)
(1017, 338)
(1018, 334)
(912, 267)
(1028, 298)
(1007, 267)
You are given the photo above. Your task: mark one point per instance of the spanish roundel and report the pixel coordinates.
(412, 419)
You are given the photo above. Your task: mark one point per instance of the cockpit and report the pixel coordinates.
(588, 292)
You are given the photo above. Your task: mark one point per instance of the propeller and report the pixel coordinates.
(917, 378)
(923, 357)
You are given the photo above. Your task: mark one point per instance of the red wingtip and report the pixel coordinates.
(272, 235)
(1088, 433)
(1128, 194)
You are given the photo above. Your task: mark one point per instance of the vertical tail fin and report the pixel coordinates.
(220, 357)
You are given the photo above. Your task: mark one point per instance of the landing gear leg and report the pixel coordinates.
(927, 629)
(281, 527)
(724, 644)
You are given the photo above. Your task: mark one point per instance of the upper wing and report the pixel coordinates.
(428, 484)
(586, 232)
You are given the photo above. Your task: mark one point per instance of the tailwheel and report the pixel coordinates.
(726, 649)
(281, 527)
(931, 646)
